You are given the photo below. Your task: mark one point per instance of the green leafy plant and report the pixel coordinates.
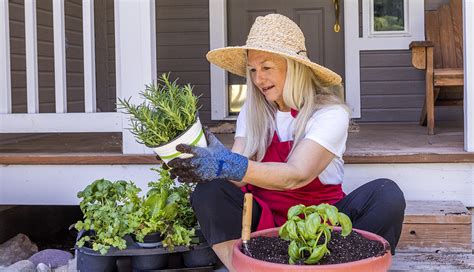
(167, 111)
(166, 209)
(108, 208)
(307, 243)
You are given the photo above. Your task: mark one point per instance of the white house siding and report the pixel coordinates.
(393, 91)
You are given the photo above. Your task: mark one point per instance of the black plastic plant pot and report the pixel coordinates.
(94, 262)
(149, 262)
(198, 237)
(150, 240)
(199, 257)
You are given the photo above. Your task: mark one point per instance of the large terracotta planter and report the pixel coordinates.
(242, 262)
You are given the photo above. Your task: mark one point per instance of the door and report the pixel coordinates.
(316, 18)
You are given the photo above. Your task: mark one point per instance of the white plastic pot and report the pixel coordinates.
(192, 136)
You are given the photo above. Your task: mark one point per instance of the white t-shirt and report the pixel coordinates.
(327, 127)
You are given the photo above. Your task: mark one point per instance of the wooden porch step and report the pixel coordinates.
(436, 226)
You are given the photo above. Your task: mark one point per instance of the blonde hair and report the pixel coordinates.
(302, 92)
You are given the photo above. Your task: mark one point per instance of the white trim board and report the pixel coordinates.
(135, 54)
(5, 75)
(60, 76)
(31, 55)
(468, 15)
(25, 184)
(61, 122)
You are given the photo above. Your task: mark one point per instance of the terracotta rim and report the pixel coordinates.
(369, 235)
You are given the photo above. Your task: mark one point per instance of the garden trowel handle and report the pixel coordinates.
(247, 217)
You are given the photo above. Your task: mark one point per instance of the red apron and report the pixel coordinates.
(275, 204)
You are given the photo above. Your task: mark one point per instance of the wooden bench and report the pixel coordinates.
(436, 227)
(441, 55)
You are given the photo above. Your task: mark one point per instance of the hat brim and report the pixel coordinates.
(233, 59)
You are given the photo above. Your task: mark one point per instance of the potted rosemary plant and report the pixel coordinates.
(167, 117)
(312, 241)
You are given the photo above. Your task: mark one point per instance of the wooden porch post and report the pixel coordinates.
(135, 53)
(468, 18)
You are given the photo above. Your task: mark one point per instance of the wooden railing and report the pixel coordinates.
(135, 42)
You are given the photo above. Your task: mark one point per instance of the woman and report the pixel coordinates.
(289, 142)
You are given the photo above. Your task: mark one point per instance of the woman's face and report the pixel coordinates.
(268, 73)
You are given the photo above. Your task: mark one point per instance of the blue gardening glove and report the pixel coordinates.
(214, 161)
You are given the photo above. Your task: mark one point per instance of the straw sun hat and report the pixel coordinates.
(273, 33)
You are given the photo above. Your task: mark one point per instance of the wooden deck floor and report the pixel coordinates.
(371, 143)
(432, 262)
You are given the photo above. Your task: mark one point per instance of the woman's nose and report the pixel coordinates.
(259, 78)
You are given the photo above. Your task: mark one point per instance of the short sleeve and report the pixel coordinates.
(329, 128)
(240, 127)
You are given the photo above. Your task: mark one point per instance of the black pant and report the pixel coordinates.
(377, 206)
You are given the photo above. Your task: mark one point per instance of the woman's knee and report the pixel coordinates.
(389, 193)
(204, 192)
(211, 194)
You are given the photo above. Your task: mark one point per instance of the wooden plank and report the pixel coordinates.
(408, 158)
(436, 212)
(429, 100)
(389, 73)
(185, 65)
(432, 262)
(412, 87)
(446, 37)
(104, 159)
(391, 101)
(456, 14)
(419, 57)
(390, 115)
(182, 51)
(385, 58)
(188, 38)
(182, 3)
(182, 12)
(182, 25)
(435, 238)
(449, 77)
(194, 78)
(442, 81)
(433, 35)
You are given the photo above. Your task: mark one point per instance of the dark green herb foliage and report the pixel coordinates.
(108, 209)
(307, 243)
(166, 209)
(167, 111)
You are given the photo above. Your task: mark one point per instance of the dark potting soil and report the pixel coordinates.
(351, 248)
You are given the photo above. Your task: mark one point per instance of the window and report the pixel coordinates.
(237, 96)
(388, 18)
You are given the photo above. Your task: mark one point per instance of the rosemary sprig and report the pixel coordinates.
(168, 109)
